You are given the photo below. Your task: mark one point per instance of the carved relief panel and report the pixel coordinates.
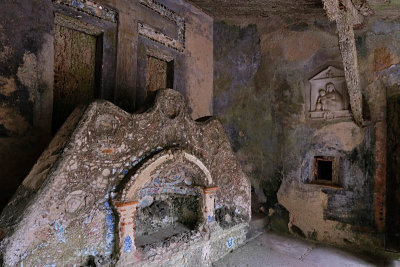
(328, 97)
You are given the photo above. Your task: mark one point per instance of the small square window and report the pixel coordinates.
(325, 170)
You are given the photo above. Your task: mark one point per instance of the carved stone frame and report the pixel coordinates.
(318, 81)
(154, 50)
(159, 37)
(335, 171)
(104, 27)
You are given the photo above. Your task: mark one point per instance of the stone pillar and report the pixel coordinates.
(208, 203)
(347, 16)
(126, 227)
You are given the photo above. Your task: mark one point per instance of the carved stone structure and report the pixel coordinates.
(95, 192)
(92, 9)
(328, 97)
(349, 14)
(153, 34)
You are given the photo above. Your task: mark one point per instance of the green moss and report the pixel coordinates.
(279, 225)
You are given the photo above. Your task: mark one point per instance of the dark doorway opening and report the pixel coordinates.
(393, 174)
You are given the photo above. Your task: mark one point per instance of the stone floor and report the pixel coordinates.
(270, 249)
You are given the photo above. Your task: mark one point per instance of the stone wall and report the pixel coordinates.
(27, 64)
(378, 52)
(262, 69)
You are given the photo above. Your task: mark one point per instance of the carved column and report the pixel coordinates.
(209, 203)
(126, 227)
(346, 15)
(347, 45)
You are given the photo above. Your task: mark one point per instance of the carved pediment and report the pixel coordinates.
(328, 95)
(328, 73)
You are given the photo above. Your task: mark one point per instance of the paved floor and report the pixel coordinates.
(270, 249)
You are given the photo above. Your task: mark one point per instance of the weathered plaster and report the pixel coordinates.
(346, 134)
(306, 205)
(7, 86)
(27, 74)
(378, 51)
(264, 112)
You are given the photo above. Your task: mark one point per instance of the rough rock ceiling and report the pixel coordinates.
(263, 8)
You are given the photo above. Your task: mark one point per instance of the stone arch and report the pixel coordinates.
(130, 192)
(172, 172)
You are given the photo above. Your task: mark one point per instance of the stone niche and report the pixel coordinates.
(327, 97)
(167, 201)
(116, 189)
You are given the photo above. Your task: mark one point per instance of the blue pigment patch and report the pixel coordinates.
(90, 251)
(87, 220)
(128, 244)
(110, 227)
(231, 242)
(60, 231)
(91, 10)
(393, 75)
(23, 257)
(383, 27)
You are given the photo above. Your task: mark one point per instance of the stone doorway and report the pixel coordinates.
(393, 175)
(159, 75)
(77, 56)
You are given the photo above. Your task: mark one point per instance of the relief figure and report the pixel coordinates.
(329, 99)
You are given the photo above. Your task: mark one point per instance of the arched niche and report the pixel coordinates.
(172, 193)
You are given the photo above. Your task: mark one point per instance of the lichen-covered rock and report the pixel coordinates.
(64, 213)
